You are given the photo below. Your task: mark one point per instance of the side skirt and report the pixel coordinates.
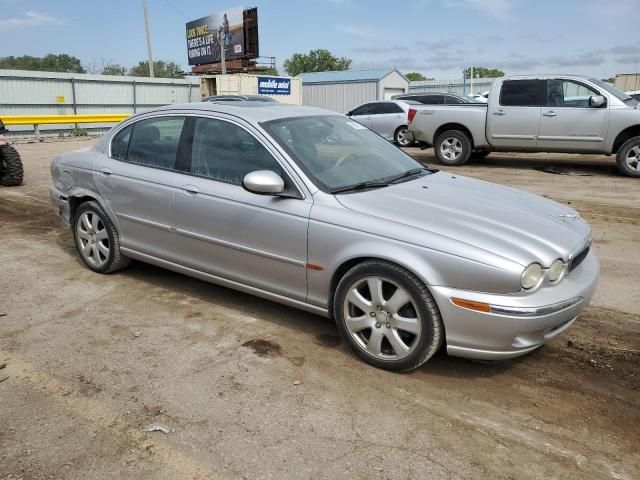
(258, 292)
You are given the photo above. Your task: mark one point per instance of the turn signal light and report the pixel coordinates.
(471, 305)
(411, 114)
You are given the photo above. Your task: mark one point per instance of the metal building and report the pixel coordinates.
(342, 91)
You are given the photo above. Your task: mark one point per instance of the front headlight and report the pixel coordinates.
(557, 270)
(531, 276)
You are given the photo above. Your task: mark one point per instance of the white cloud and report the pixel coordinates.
(30, 19)
(359, 31)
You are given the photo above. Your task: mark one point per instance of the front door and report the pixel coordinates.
(222, 229)
(514, 117)
(568, 123)
(136, 176)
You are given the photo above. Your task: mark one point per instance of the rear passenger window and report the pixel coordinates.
(226, 152)
(120, 143)
(520, 93)
(154, 142)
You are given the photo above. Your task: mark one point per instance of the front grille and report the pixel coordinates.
(578, 259)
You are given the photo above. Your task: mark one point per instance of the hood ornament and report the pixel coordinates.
(563, 217)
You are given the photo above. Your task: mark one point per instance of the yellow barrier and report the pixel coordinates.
(56, 119)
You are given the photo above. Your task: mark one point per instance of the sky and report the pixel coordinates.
(438, 38)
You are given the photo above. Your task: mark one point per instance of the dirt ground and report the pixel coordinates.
(251, 389)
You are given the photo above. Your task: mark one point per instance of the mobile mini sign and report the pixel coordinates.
(274, 86)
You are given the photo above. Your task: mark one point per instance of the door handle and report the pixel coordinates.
(549, 114)
(500, 112)
(190, 190)
(105, 172)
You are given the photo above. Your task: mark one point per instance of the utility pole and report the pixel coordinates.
(146, 28)
(471, 83)
(223, 61)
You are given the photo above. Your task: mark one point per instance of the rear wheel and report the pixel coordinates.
(11, 170)
(628, 158)
(387, 316)
(453, 147)
(402, 136)
(97, 239)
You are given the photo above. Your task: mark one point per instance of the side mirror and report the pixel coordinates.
(263, 182)
(349, 113)
(597, 101)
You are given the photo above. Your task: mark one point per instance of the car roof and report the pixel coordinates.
(251, 111)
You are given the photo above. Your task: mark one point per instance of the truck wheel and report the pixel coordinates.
(387, 316)
(97, 239)
(480, 153)
(453, 147)
(402, 136)
(11, 171)
(628, 158)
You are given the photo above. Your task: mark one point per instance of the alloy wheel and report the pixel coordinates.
(451, 148)
(633, 158)
(382, 318)
(93, 239)
(403, 137)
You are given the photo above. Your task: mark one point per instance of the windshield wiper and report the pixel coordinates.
(407, 174)
(359, 186)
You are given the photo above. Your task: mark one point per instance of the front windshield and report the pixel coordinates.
(336, 152)
(611, 89)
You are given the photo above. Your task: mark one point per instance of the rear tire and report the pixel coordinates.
(402, 137)
(453, 148)
(628, 158)
(11, 169)
(388, 316)
(97, 239)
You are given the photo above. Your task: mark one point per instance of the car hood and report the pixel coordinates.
(458, 212)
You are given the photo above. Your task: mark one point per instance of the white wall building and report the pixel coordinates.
(343, 90)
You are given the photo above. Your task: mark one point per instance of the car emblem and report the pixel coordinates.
(563, 217)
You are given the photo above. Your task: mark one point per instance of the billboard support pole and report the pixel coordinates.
(223, 60)
(146, 28)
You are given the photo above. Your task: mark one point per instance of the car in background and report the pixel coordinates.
(388, 118)
(240, 98)
(435, 98)
(634, 94)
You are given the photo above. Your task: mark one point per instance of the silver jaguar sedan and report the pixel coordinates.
(311, 209)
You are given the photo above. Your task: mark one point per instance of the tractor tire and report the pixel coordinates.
(11, 171)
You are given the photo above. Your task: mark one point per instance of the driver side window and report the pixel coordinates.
(226, 152)
(565, 93)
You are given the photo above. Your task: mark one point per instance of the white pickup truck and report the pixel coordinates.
(550, 113)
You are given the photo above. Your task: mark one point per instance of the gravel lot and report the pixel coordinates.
(251, 389)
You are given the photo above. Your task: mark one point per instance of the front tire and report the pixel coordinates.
(97, 239)
(453, 148)
(11, 169)
(388, 316)
(402, 137)
(628, 158)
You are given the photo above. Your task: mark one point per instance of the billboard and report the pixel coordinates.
(205, 34)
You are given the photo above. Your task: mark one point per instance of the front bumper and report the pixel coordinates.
(519, 323)
(60, 204)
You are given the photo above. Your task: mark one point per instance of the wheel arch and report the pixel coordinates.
(80, 196)
(623, 136)
(454, 126)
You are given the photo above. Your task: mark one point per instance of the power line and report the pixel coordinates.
(172, 5)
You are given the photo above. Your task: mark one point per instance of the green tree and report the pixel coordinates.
(161, 69)
(48, 63)
(609, 80)
(414, 76)
(114, 69)
(269, 71)
(482, 72)
(315, 61)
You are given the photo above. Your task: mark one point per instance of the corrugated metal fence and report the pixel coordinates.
(49, 93)
(451, 86)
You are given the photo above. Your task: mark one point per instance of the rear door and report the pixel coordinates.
(514, 117)
(136, 177)
(387, 117)
(363, 114)
(567, 122)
